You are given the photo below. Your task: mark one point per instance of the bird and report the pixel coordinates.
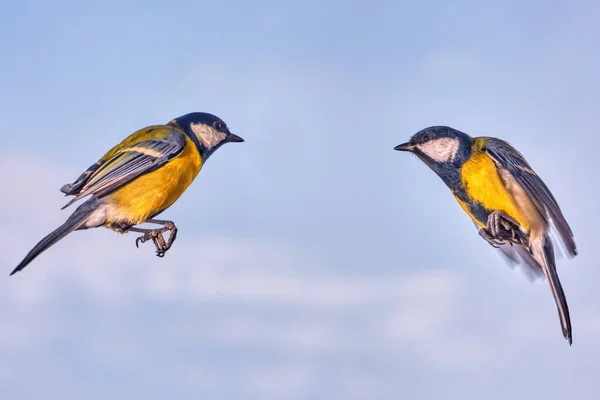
(507, 200)
(140, 178)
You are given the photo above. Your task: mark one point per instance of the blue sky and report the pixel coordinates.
(313, 261)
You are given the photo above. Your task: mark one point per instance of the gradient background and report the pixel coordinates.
(313, 261)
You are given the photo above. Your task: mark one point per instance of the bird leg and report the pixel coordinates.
(502, 229)
(156, 235)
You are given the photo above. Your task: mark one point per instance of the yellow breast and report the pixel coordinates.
(157, 190)
(484, 185)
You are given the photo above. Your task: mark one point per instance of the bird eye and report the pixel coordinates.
(219, 126)
(425, 138)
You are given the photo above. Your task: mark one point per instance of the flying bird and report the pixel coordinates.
(140, 178)
(512, 207)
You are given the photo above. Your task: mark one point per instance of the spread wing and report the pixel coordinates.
(506, 157)
(520, 255)
(125, 165)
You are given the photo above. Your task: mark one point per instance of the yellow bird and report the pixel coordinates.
(503, 195)
(140, 178)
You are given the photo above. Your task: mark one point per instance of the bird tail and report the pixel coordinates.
(75, 221)
(543, 253)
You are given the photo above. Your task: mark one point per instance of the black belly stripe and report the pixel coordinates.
(451, 177)
(477, 209)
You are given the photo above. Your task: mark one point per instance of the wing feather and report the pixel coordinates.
(509, 159)
(130, 163)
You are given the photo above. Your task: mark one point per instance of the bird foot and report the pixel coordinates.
(484, 233)
(502, 229)
(156, 235)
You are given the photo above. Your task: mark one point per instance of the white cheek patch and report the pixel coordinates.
(440, 150)
(207, 135)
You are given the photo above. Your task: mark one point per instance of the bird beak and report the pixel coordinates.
(234, 138)
(404, 147)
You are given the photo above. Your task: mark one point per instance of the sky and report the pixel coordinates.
(312, 261)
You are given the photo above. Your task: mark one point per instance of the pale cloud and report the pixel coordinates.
(313, 261)
(242, 296)
(272, 298)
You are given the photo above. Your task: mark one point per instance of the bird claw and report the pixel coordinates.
(487, 236)
(156, 235)
(502, 229)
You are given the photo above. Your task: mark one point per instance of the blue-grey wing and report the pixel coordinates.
(130, 163)
(519, 256)
(509, 159)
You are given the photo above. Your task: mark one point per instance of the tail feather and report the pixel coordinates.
(73, 222)
(543, 252)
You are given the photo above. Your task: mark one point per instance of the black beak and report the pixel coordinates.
(234, 138)
(404, 147)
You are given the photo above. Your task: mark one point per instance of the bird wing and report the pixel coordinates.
(141, 135)
(509, 159)
(128, 163)
(519, 255)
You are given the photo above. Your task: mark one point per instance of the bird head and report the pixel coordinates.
(438, 146)
(208, 131)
